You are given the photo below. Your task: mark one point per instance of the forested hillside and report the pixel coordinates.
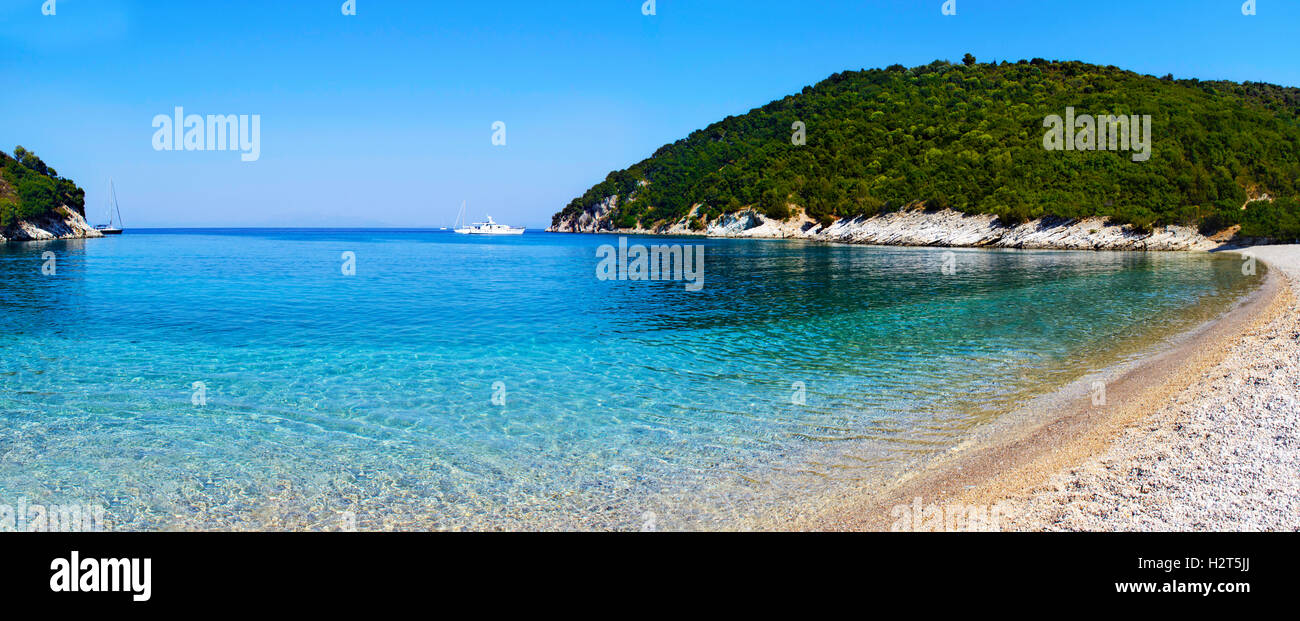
(970, 137)
(30, 189)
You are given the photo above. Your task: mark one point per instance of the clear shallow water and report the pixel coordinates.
(624, 401)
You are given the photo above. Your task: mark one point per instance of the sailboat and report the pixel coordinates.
(484, 228)
(114, 226)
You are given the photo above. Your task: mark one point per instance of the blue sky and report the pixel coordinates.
(385, 118)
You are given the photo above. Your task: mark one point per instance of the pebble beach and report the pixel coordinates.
(1223, 454)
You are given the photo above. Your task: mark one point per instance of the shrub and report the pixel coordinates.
(36, 196)
(8, 212)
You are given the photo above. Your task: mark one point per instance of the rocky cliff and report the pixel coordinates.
(63, 223)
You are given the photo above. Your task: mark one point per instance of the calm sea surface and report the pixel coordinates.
(238, 379)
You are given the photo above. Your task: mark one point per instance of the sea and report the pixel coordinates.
(271, 379)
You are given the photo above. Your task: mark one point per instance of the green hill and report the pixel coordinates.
(971, 137)
(29, 189)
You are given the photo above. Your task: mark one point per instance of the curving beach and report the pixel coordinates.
(1221, 454)
(1202, 436)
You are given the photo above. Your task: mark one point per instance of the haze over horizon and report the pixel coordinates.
(385, 118)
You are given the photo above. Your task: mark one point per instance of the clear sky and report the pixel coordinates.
(385, 118)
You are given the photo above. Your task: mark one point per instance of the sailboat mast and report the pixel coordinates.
(112, 190)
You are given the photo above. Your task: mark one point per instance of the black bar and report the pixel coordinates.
(324, 571)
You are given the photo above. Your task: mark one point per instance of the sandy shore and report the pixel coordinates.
(1204, 436)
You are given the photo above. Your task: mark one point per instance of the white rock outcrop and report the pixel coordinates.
(915, 228)
(64, 223)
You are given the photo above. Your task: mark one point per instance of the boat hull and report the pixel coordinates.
(473, 232)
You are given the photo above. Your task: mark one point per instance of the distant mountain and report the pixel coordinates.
(975, 138)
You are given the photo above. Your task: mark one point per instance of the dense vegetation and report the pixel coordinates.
(31, 189)
(970, 137)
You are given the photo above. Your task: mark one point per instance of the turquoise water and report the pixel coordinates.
(331, 399)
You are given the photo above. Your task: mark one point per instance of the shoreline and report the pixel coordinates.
(1003, 468)
(1221, 454)
(918, 227)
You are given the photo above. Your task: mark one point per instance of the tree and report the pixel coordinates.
(968, 60)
